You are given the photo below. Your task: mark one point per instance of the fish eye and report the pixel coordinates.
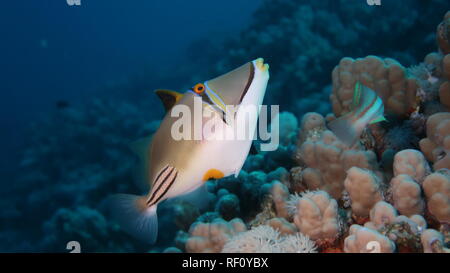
(199, 88)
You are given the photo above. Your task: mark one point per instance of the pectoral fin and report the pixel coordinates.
(344, 130)
(168, 97)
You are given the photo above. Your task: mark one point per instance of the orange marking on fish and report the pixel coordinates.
(212, 174)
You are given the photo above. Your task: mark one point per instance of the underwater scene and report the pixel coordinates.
(259, 126)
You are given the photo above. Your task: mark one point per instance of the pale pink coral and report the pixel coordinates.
(367, 240)
(413, 163)
(211, 237)
(433, 242)
(436, 146)
(317, 216)
(437, 191)
(407, 195)
(364, 188)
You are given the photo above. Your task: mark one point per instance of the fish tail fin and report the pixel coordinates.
(378, 119)
(343, 128)
(135, 217)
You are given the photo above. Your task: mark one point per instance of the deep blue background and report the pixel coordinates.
(52, 51)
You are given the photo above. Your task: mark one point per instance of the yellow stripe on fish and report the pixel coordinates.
(215, 98)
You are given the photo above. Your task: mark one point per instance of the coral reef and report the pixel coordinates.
(211, 237)
(313, 194)
(407, 195)
(412, 163)
(317, 216)
(433, 242)
(327, 159)
(366, 240)
(303, 40)
(364, 189)
(437, 190)
(436, 146)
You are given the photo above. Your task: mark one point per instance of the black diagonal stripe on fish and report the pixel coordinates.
(171, 179)
(159, 183)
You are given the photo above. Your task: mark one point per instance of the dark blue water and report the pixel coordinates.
(51, 51)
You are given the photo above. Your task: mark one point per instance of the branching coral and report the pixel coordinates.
(317, 216)
(436, 147)
(211, 237)
(437, 190)
(407, 195)
(365, 190)
(412, 163)
(381, 214)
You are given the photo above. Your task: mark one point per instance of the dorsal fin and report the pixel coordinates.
(168, 97)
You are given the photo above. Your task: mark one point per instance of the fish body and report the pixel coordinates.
(174, 167)
(367, 108)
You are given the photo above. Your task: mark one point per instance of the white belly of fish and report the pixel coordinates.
(227, 156)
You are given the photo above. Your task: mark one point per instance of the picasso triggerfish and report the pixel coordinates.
(173, 167)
